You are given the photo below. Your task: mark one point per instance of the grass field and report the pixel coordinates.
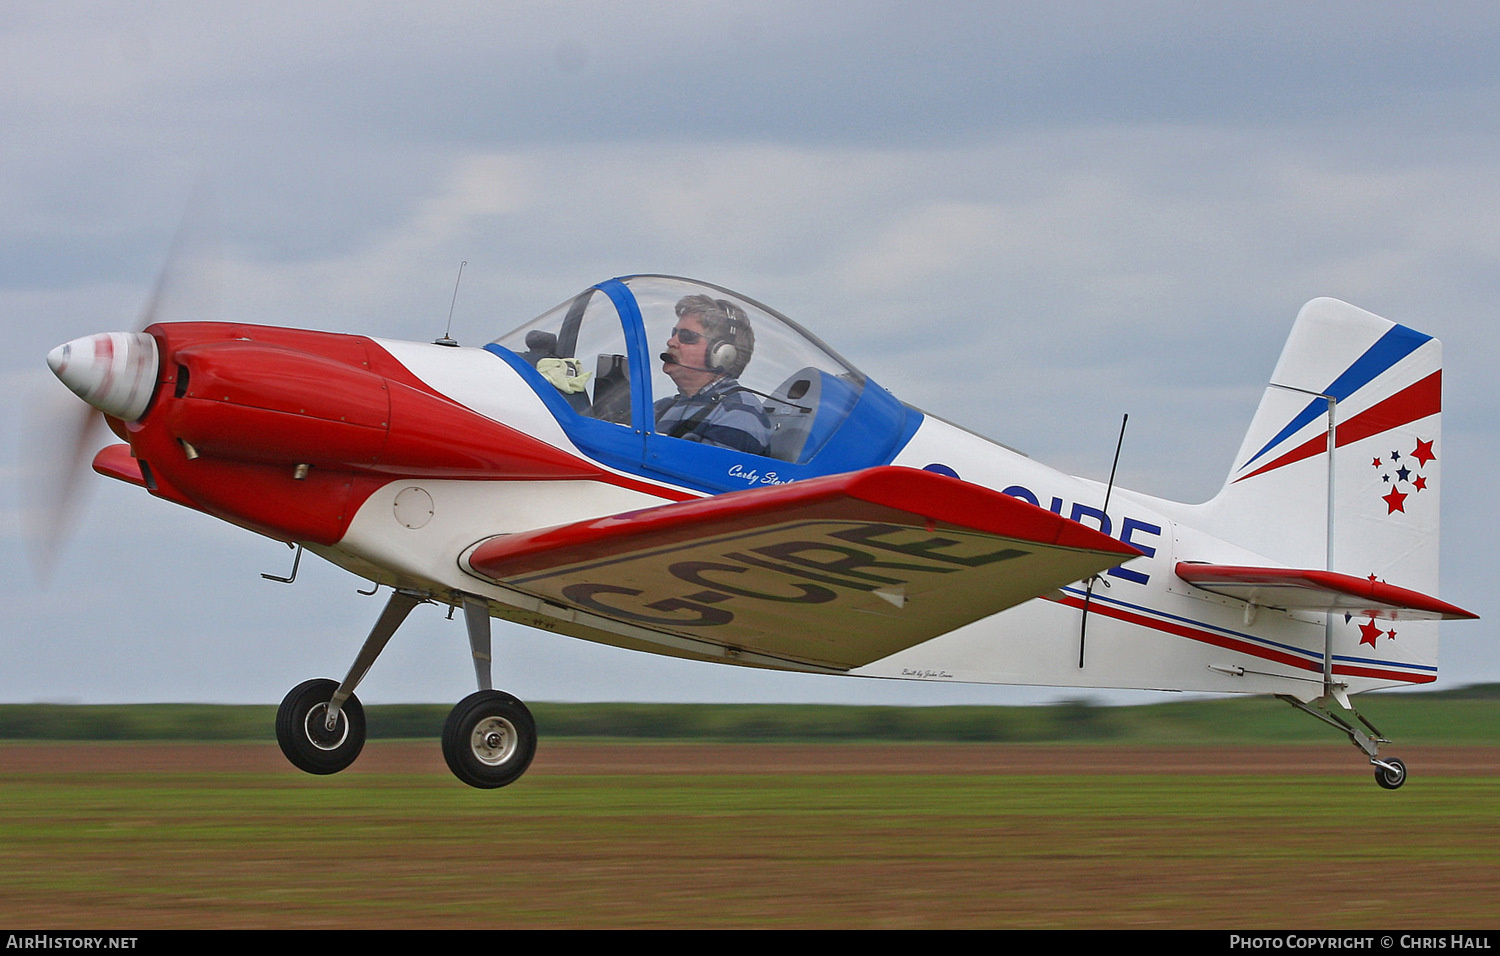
(141, 836)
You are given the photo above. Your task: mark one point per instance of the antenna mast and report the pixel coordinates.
(1088, 593)
(447, 339)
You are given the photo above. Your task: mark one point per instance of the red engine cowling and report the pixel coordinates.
(287, 431)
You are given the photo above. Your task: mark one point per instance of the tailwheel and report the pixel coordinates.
(489, 739)
(1390, 774)
(304, 735)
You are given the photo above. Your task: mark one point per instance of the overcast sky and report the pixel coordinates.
(1026, 218)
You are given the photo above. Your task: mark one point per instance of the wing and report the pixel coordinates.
(830, 572)
(1312, 590)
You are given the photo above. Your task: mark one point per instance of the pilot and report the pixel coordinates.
(705, 355)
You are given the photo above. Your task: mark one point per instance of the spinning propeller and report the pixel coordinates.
(115, 374)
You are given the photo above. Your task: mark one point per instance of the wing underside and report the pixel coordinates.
(832, 572)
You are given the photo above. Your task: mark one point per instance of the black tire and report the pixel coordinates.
(1393, 777)
(489, 739)
(303, 737)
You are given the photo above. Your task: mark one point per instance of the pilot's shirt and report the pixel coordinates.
(723, 413)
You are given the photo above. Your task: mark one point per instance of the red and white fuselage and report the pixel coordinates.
(458, 473)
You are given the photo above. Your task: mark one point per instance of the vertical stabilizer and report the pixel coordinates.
(1385, 382)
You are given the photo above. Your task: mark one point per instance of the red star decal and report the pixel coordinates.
(1376, 462)
(1419, 483)
(1424, 454)
(1394, 501)
(1369, 632)
(1391, 634)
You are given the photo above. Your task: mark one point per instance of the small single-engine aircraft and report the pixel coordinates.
(664, 465)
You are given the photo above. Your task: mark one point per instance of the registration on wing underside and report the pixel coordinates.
(830, 592)
(836, 592)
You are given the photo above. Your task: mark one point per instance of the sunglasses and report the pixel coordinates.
(687, 336)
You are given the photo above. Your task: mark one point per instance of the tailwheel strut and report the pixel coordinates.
(1390, 772)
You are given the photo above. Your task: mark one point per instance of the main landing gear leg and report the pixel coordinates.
(490, 737)
(477, 620)
(321, 724)
(1390, 772)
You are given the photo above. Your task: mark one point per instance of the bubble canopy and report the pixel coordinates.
(613, 361)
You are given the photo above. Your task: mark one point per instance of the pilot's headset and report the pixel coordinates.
(723, 351)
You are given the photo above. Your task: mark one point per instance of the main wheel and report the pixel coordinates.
(489, 739)
(302, 728)
(1392, 777)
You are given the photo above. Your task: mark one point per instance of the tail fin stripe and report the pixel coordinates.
(1414, 402)
(1391, 348)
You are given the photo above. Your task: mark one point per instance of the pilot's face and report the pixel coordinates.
(690, 370)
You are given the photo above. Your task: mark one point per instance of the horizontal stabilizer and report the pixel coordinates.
(1312, 590)
(833, 572)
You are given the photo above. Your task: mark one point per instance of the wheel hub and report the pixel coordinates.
(318, 733)
(494, 741)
